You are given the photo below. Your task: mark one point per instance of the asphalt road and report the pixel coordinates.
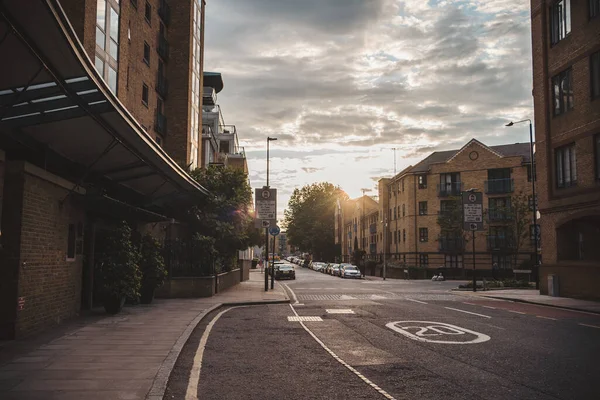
(365, 339)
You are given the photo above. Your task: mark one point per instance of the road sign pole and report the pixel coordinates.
(273, 263)
(474, 279)
(266, 261)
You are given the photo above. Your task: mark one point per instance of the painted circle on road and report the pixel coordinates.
(437, 332)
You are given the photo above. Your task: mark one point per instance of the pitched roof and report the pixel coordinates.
(506, 150)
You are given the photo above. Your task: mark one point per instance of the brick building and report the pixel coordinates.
(566, 90)
(358, 221)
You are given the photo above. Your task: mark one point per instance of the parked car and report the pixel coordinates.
(335, 270)
(318, 266)
(349, 271)
(285, 271)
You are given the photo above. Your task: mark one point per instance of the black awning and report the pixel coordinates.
(51, 94)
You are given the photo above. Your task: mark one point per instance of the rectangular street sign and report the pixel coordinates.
(265, 204)
(472, 211)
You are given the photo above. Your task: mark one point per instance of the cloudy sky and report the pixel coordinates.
(341, 83)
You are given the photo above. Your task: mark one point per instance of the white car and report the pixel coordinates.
(349, 271)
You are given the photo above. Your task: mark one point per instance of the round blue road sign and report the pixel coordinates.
(274, 230)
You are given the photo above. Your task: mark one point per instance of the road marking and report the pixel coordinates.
(339, 311)
(471, 304)
(541, 316)
(292, 292)
(417, 301)
(490, 307)
(194, 379)
(590, 326)
(516, 312)
(345, 364)
(346, 297)
(426, 329)
(468, 312)
(304, 319)
(298, 304)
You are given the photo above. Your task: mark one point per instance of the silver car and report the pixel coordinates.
(349, 271)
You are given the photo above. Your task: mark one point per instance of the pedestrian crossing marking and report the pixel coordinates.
(304, 319)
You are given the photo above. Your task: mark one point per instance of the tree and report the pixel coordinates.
(451, 225)
(224, 216)
(518, 223)
(310, 219)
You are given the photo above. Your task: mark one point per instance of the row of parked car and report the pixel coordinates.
(343, 270)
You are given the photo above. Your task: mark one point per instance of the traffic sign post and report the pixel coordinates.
(274, 231)
(265, 204)
(473, 220)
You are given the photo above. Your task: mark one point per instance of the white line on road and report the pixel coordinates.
(590, 326)
(490, 307)
(416, 301)
(468, 312)
(516, 312)
(292, 292)
(194, 379)
(541, 316)
(345, 364)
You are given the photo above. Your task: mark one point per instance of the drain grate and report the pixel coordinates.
(305, 319)
(339, 311)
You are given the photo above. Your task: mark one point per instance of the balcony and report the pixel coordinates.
(499, 215)
(162, 85)
(227, 130)
(499, 186)
(160, 124)
(164, 12)
(499, 243)
(209, 96)
(449, 189)
(451, 244)
(163, 47)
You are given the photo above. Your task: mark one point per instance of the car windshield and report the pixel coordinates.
(350, 268)
(285, 267)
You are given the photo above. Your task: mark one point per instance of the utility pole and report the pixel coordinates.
(269, 139)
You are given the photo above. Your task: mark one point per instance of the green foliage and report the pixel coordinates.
(118, 262)
(152, 262)
(310, 219)
(224, 216)
(451, 220)
(506, 283)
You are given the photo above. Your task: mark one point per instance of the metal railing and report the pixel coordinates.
(160, 123)
(163, 47)
(498, 186)
(449, 189)
(162, 85)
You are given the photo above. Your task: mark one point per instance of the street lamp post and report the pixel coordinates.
(269, 140)
(533, 200)
(384, 245)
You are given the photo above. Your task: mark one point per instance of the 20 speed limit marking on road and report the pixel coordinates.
(437, 332)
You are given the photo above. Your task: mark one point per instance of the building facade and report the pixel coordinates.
(358, 219)
(421, 208)
(566, 90)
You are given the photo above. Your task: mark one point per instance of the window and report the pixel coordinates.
(145, 94)
(594, 8)
(403, 210)
(395, 237)
(562, 91)
(134, 4)
(422, 208)
(148, 13)
(422, 181)
(71, 243)
(500, 261)
(529, 174)
(597, 154)
(453, 261)
(566, 166)
(147, 53)
(424, 260)
(404, 235)
(595, 74)
(403, 184)
(423, 234)
(560, 20)
(395, 213)
(107, 41)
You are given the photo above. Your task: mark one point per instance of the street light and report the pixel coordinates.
(533, 201)
(269, 140)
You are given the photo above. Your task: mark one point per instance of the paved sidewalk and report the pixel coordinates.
(534, 297)
(126, 356)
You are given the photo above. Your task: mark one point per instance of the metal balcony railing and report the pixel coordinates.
(162, 85)
(451, 244)
(164, 12)
(499, 215)
(163, 47)
(499, 186)
(497, 243)
(227, 129)
(449, 189)
(160, 123)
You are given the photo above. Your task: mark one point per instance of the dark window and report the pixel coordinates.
(453, 261)
(404, 235)
(499, 173)
(395, 213)
(500, 261)
(403, 210)
(134, 4)
(145, 94)
(423, 234)
(147, 53)
(422, 181)
(71, 242)
(403, 184)
(597, 154)
(422, 208)
(424, 260)
(594, 8)
(529, 175)
(148, 12)
(395, 237)
(562, 91)
(560, 20)
(566, 166)
(595, 74)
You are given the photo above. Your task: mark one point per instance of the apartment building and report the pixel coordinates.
(358, 226)
(421, 208)
(566, 90)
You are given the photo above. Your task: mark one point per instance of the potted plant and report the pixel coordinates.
(119, 267)
(153, 268)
